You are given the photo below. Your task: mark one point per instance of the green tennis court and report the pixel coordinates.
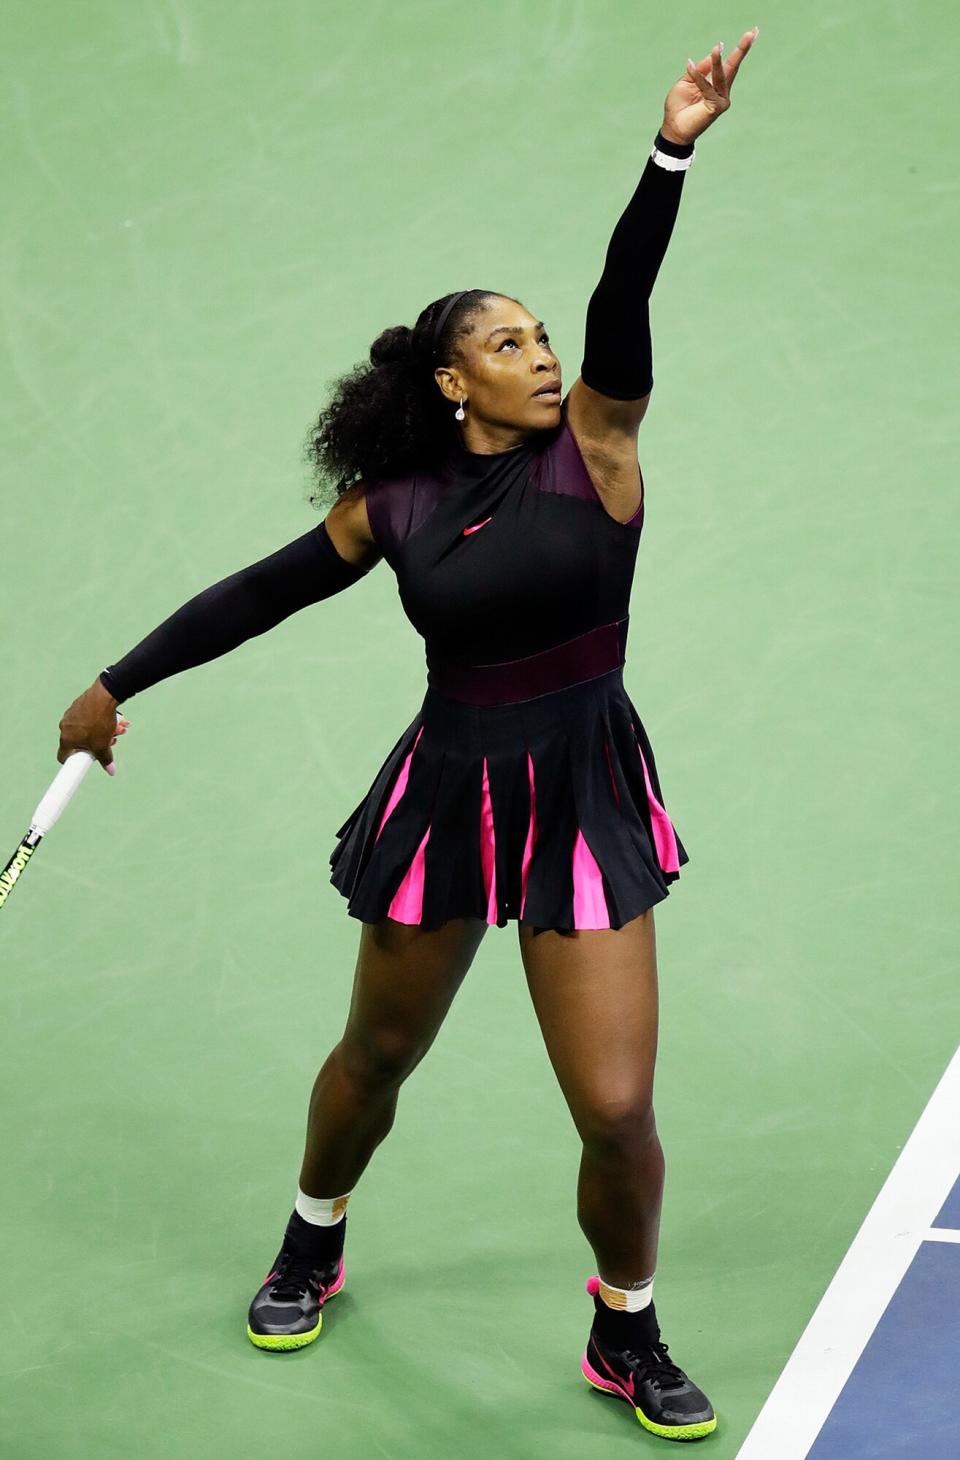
(210, 211)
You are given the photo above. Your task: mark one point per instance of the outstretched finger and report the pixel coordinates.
(732, 64)
(706, 90)
(717, 75)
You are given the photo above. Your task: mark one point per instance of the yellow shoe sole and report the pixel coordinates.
(666, 1432)
(286, 1342)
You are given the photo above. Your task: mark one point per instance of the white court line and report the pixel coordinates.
(867, 1278)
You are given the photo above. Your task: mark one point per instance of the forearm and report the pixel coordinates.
(209, 625)
(236, 609)
(618, 354)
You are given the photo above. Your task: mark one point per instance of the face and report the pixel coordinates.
(507, 360)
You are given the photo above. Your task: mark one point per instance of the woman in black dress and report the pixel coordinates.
(525, 787)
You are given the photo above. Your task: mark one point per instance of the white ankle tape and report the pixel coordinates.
(322, 1211)
(628, 1300)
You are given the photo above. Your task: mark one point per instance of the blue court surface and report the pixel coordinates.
(873, 1376)
(948, 1218)
(900, 1399)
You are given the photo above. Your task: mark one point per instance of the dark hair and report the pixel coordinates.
(389, 417)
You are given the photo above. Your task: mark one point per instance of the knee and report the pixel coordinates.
(378, 1059)
(617, 1126)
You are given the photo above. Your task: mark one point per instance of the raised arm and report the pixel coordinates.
(608, 401)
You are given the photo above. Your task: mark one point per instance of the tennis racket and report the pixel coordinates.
(52, 805)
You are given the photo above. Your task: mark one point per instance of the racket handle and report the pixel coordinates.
(60, 790)
(57, 796)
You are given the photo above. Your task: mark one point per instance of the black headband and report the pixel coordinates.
(444, 316)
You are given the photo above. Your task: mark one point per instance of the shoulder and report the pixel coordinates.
(396, 507)
(350, 528)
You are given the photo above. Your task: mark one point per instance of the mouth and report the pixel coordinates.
(550, 392)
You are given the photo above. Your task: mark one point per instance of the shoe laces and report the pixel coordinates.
(655, 1364)
(295, 1272)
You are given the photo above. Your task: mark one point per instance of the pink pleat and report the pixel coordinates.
(406, 905)
(589, 903)
(488, 847)
(400, 785)
(531, 836)
(664, 836)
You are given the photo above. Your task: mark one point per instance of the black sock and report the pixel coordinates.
(323, 1244)
(621, 1330)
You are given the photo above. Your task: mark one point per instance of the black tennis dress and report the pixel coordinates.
(525, 787)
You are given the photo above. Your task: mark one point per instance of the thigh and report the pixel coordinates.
(596, 999)
(405, 981)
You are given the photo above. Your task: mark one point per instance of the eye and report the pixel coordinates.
(510, 341)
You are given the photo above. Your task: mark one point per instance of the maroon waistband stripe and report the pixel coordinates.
(589, 655)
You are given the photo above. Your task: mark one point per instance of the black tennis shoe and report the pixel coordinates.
(665, 1401)
(286, 1312)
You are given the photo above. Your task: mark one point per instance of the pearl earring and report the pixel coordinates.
(461, 414)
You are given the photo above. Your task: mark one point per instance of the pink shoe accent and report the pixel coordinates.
(531, 835)
(400, 785)
(338, 1281)
(624, 1389)
(664, 837)
(334, 1287)
(593, 1286)
(488, 847)
(589, 903)
(477, 526)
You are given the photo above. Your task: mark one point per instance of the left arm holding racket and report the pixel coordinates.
(211, 624)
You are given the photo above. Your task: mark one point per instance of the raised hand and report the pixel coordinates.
(693, 103)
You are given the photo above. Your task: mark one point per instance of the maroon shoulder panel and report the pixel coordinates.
(561, 468)
(397, 506)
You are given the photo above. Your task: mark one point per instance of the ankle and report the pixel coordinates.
(625, 1330)
(322, 1244)
(321, 1211)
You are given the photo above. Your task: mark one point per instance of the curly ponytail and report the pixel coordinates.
(389, 417)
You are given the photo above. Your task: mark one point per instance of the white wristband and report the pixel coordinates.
(671, 164)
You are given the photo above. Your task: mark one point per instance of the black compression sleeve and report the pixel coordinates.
(618, 355)
(237, 608)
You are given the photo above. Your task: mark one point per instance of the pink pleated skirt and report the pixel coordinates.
(548, 811)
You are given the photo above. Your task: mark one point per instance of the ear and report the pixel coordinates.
(449, 382)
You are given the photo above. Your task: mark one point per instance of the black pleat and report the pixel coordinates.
(626, 761)
(627, 885)
(549, 899)
(357, 834)
(638, 727)
(453, 871)
(386, 860)
(509, 778)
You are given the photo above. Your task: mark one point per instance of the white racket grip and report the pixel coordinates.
(57, 795)
(60, 790)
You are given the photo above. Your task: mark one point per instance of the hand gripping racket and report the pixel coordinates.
(53, 803)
